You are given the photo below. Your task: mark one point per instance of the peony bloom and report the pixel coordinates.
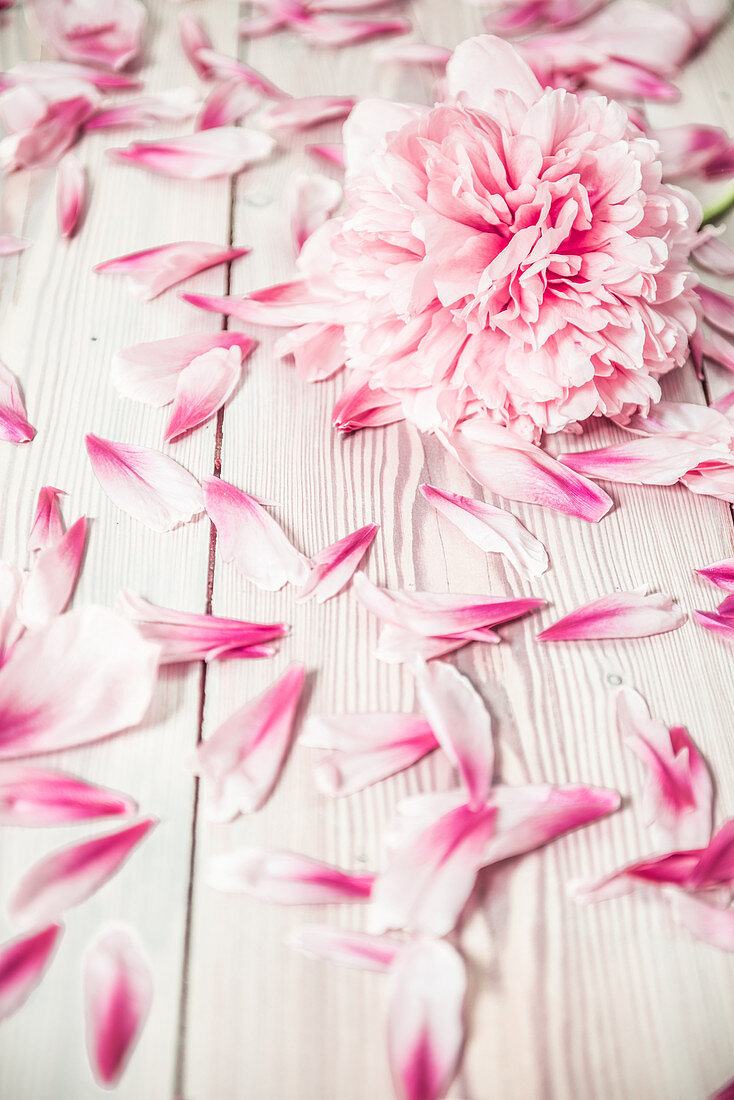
(511, 255)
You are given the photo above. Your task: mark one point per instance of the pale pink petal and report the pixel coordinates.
(718, 624)
(696, 423)
(98, 678)
(703, 17)
(398, 646)
(149, 372)
(654, 460)
(715, 256)
(9, 246)
(193, 39)
(186, 636)
(48, 526)
(716, 865)
(425, 1026)
(430, 877)
(460, 722)
(345, 6)
(678, 793)
(671, 869)
(413, 53)
(241, 762)
(720, 574)
(301, 114)
(11, 628)
(257, 26)
(202, 388)
(712, 479)
(68, 876)
(280, 306)
(228, 102)
(483, 66)
(491, 529)
(224, 67)
(332, 153)
(361, 405)
(50, 584)
(688, 149)
(148, 485)
(333, 567)
(174, 105)
(719, 348)
(317, 350)
(43, 120)
(36, 796)
(511, 467)
(520, 16)
(26, 72)
(118, 992)
(71, 195)
(14, 426)
(23, 963)
(621, 615)
(107, 33)
(358, 950)
(204, 155)
(718, 308)
(365, 748)
(154, 270)
(312, 200)
(349, 32)
(286, 878)
(705, 922)
(251, 538)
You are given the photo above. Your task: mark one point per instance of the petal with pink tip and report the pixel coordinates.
(149, 372)
(721, 573)
(363, 406)
(425, 1027)
(251, 538)
(719, 348)
(23, 963)
(718, 624)
(43, 120)
(48, 526)
(349, 32)
(202, 388)
(716, 865)
(281, 306)
(108, 34)
(241, 762)
(11, 628)
(483, 66)
(36, 796)
(672, 869)
(287, 878)
(705, 922)
(50, 584)
(173, 105)
(71, 195)
(14, 426)
(491, 529)
(291, 115)
(332, 153)
(148, 485)
(10, 246)
(653, 460)
(154, 270)
(678, 793)
(98, 678)
(317, 350)
(358, 950)
(397, 646)
(223, 67)
(621, 615)
(718, 308)
(227, 103)
(204, 155)
(70, 875)
(312, 200)
(118, 992)
(193, 39)
(726, 1092)
(333, 567)
(715, 256)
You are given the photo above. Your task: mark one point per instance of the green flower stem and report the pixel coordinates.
(718, 208)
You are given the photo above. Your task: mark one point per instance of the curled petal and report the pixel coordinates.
(227, 103)
(688, 150)
(23, 963)
(361, 405)
(333, 567)
(720, 574)
(712, 479)
(313, 199)
(48, 526)
(291, 115)
(672, 869)
(204, 155)
(242, 760)
(43, 121)
(358, 950)
(50, 584)
(14, 425)
(287, 878)
(146, 484)
(621, 615)
(154, 270)
(71, 192)
(35, 796)
(202, 388)
(194, 39)
(716, 865)
(654, 460)
(149, 372)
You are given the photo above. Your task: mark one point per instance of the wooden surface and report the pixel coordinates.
(592, 1004)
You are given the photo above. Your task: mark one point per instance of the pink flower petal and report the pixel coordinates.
(227, 103)
(718, 624)
(716, 256)
(519, 16)
(365, 748)
(48, 527)
(223, 67)
(317, 350)
(332, 153)
(193, 39)
(241, 762)
(11, 628)
(28, 72)
(703, 17)
(286, 878)
(425, 1026)
(99, 676)
(257, 26)
(71, 195)
(349, 32)
(154, 270)
(37, 796)
(23, 963)
(149, 372)
(312, 200)
(291, 115)
(717, 347)
(202, 388)
(50, 584)
(696, 423)
(280, 306)
(251, 538)
(716, 865)
(712, 479)
(173, 105)
(361, 405)
(704, 921)
(491, 529)
(118, 991)
(43, 120)
(148, 485)
(718, 308)
(186, 636)
(678, 794)
(204, 155)
(687, 150)
(108, 34)
(9, 246)
(413, 53)
(621, 615)
(654, 460)
(720, 574)
(68, 876)
(397, 646)
(14, 426)
(480, 67)
(671, 869)
(333, 567)
(461, 724)
(511, 467)
(358, 950)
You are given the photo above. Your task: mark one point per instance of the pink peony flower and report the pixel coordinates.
(510, 254)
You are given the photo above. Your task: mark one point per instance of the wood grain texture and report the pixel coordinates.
(566, 1003)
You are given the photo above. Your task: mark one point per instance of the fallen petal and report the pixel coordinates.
(23, 962)
(48, 526)
(340, 945)
(194, 39)
(653, 460)
(333, 567)
(292, 115)
(227, 103)
(71, 193)
(50, 584)
(9, 246)
(621, 615)
(720, 574)
(154, 270)
(149, 372)
(312, 200)
(705, 922)
(202, 388)
(286, 878)
(36, 796)
(14, 426)
(204, 155)
(108, 34)
(718, 308)
(173, 105)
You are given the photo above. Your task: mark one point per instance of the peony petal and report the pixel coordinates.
(173, 105)
(312, 200)
(108, 33)
(118, 991)
(23, 963)
(333, 567)
(671, 869)
(361, 405)
(719, 348)
(332, 153)
(11, 628)
(71, 195)
(29, 72)
(678, 793)
(720, 574)
(99, 676)
(365, 748)
(705, 922)
(50, 584)
(511, 467)
(48, 527)
(483, 66)
(286, 878)
(241, 762)
(340, 945)
(397, 646)
(413, 53)
(223, 67)
(716, 865)
(716, 256)
(9, 246)
(194, 39)
(654, 460)
(351, 31)
(37, 796)
(491, 529)
(204, 155)
(461, 724)
(14, 426)
(227, 103)
(317, 350)
(687, 150)
(146, 484)
(68, 876)
(425, 1026)
(154, 270)
(280, 306)
(726, 1092)
(149, 372)
(202, 388)
(186, 636)
(251, 538)
(43, 120)
(719, 624)
(712, 479)
(718, 308)
(621, 615)
(292, 115)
